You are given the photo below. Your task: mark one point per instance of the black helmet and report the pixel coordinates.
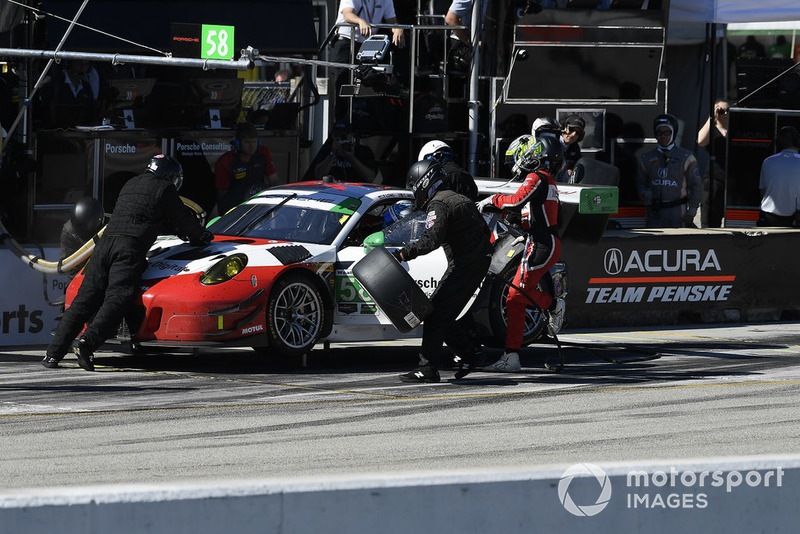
(547, 154)
(168, 168)
(87, 217)
(424, 179)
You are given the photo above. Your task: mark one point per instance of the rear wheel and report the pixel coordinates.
(534, 318)
(295, 315)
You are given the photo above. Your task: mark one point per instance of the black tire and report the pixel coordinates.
(534, 320)
(295, 316)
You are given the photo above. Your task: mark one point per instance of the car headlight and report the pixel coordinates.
(224, 269)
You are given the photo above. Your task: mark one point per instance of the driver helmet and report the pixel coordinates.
(167, 167)
(545, 126)
(546, 154)
(87, 217)
(438, 150)
(424, 179)
(397, 211)
(514, 147)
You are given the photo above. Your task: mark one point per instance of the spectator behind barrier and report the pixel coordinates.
(713, 207)
(779, 183)
(244, 170)
(347, 160)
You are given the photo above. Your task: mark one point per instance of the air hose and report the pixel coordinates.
(65, 265)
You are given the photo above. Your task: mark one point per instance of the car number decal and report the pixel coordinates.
(349, 290)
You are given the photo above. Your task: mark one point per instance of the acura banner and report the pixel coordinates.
(663, 273)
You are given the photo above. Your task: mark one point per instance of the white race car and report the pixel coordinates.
(278, 275)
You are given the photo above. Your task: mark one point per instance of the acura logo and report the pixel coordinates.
(612, 262)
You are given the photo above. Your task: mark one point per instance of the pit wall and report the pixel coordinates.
(734, 495)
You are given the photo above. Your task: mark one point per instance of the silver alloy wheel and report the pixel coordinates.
(298, 315)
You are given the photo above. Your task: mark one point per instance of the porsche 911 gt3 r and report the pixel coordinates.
(278, 275)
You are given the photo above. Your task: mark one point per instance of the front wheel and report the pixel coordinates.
(534, 318)
(295, 315)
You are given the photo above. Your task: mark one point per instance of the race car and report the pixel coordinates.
(278, 275)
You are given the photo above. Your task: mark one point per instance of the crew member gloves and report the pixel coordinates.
(484, 204)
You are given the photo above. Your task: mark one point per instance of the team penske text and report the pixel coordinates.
(693, 293)
(694, 273)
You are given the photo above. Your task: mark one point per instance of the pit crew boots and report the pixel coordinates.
(85, 355)
(422, 374)
(51, 362)
(469, 363)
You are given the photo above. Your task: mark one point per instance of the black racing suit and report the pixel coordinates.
(455, 224)
(459, 180)
(113, 276)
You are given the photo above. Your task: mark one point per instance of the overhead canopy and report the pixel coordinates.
(727, 11)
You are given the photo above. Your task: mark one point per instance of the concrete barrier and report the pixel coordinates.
(751, 494)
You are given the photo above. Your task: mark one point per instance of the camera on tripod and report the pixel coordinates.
(373, 72)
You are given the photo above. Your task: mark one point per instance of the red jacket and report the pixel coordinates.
(538, 196)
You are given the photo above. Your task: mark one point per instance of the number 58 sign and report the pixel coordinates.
(216, 42)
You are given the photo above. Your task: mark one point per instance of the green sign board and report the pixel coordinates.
(216, 42)
(599, 200)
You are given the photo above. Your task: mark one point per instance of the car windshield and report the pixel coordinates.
(282, 222)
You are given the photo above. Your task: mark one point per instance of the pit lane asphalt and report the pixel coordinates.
(625, 395)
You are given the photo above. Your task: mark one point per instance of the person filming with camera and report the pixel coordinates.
(347, 161)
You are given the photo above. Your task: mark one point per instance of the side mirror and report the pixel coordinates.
(373, 241)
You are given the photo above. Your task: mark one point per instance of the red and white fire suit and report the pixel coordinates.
(537, 198)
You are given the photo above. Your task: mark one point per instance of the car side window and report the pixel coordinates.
(370, 222)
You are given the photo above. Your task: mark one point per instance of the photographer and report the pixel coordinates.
(347, 161)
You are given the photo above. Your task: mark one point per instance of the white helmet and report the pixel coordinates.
(545, 126)
(431, 148)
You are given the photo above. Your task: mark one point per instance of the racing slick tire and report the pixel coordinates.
(393, 290)
(534, 318)
(295, 316)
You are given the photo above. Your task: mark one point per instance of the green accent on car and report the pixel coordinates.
(347, 206)
(373, 241)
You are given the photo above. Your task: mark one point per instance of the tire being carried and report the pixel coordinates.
(295, 316)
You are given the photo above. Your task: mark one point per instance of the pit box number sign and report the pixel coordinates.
(216, 42)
